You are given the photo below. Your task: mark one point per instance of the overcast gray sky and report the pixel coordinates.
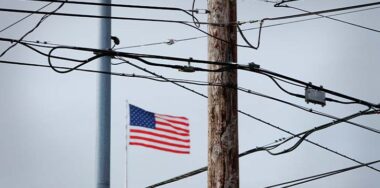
(48, 120)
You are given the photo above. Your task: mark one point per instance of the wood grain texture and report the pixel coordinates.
(223, 163)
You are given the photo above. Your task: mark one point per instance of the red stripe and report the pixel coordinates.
(170, 125)
(179, 117)
(172, 132)
(159, 148)
(174, 121)
(158, 141)
(159, 135)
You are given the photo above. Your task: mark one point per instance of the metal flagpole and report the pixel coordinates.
(104, 125)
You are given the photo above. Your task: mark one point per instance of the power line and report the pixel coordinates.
(34, 28)
(176, 81)
(23, 18)
(268, 148)
(261, 22)
(251, 67)
(328, 17)
(244, 113)
(200, 170)
(173, 41)
(188, 12)
(320, 176)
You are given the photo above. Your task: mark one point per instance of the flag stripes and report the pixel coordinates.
(159, 131)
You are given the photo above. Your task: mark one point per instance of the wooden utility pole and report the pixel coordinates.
(223, 160)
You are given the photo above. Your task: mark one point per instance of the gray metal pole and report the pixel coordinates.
(104, 126)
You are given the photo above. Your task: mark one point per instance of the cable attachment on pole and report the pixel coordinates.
(188, 68)
(170, 41)
(315, 95)
(201, 11)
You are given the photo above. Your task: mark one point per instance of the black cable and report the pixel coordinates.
(252, 67)
(320, 176)
(307, 133)
(324, 11)
(192, 14)
(328, 17)
(195, 19)
(46, 15)
(268, 149)
(23, 18)
(186, 23)
(246, 40)
(247, 29)
(295, 16)
(200, 94)
(200, 170)
(259, 70)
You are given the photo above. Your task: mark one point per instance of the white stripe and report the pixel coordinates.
(160, 132)
(161, 145)
(172, 118)
(172, 129)
(160, 139)
(171, 123)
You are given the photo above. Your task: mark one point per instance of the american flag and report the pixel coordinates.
(159, 131)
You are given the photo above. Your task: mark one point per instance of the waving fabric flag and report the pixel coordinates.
(159, 131)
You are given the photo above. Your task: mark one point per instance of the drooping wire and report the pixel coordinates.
(200, 170)
(252, 67)
(244, 113)
(176, 81)
(192, 13)
(23, 18)
(320, 176)
(295, 16)
(44, 17)
(195, 19)
(323, 16)
(247, 29)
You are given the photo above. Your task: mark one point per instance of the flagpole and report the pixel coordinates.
(104, 122)
(126, 144)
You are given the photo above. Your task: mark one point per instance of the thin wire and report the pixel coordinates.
(328, 17)
(292, 16)
(200, 94)
(23, 18)
(200, 170)
(192, 13)
(195, 19)
(247, 29)
(320, 176)
(186, 23)
(227, 66)
(34, 28)
(193, 82)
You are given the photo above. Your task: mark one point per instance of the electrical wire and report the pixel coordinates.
(294, 16)
(256, 68)
(23, 18)
(320, 176)
(186, 23)
(328, 17)
(200, 170)
(44, 17)
(200, 94)
(251, 67)
(195, 19)
(200, 83)
(247, 29)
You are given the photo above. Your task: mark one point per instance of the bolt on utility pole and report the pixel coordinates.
(223, 159)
